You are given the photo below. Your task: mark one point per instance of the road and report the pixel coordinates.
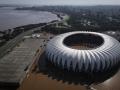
(12, 43)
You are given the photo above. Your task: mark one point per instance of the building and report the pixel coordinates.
(83, 51)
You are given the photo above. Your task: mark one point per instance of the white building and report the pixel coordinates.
(84, 51)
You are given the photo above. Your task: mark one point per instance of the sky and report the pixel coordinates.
(62, 2)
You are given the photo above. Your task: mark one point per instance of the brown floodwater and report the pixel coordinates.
(42, 77)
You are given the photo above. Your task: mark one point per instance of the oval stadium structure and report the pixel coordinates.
(81, 51)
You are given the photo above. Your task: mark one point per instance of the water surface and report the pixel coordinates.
(10, 18)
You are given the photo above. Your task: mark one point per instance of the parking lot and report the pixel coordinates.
(16, 63)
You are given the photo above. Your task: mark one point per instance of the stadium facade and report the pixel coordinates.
(81, 51)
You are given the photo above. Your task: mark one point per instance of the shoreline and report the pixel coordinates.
(13, 32)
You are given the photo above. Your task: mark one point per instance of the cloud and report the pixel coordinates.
(62, 2)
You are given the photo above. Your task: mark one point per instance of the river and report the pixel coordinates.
(10, 18)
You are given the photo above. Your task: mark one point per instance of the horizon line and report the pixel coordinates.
(60, 5)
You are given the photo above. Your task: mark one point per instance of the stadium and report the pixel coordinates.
(81, 51)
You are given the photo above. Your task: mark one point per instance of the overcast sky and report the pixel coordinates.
(62, 2)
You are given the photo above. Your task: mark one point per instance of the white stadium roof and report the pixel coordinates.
(100, 58)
